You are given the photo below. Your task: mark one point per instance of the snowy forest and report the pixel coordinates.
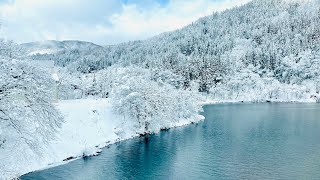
(262, 43)
(263, 51)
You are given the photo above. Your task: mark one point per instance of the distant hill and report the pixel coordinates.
(52, 46)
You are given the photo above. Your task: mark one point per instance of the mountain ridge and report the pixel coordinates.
(54, 46)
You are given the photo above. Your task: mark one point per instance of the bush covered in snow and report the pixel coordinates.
(151, 105)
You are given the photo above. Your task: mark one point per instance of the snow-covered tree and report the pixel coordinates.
(27, 115)
(26, 111)
(150, 105)
(9, 49)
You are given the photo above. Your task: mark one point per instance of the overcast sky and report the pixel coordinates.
(100, 21)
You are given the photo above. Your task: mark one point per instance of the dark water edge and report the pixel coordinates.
(236, 141)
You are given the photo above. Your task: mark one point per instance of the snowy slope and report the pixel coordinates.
(89, 123)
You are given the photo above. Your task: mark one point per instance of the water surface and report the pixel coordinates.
(236, 141)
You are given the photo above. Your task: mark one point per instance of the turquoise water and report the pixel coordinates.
(236, 141)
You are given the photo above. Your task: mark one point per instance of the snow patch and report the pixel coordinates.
(42, 52)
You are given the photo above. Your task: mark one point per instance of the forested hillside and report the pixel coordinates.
(273, 39)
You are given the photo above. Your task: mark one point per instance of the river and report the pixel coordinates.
(236, 141)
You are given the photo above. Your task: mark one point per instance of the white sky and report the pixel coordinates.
(100, 21)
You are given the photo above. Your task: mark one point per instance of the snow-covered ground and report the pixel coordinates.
(89, 125)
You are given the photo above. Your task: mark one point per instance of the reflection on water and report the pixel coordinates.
(236, 141)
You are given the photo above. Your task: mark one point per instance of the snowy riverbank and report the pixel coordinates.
(89, 126)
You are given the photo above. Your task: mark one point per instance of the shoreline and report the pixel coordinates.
(96, 150)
